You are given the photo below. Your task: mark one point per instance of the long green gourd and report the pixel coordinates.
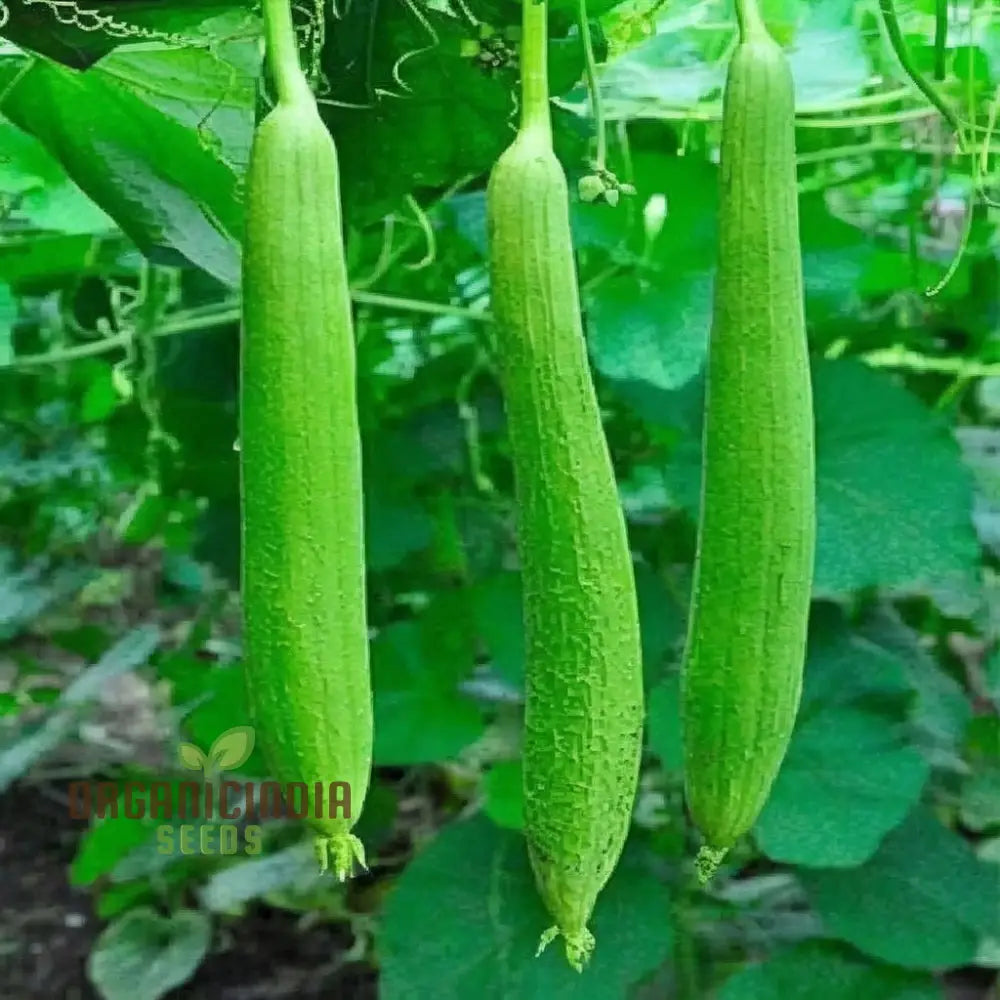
(743, 663)
(305, 633)
(584, 699)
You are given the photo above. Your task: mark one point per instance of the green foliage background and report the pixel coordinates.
(874, 868)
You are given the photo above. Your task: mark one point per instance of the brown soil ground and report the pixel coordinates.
(47, 928)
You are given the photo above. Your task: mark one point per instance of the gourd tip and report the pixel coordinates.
(340, 853)
(579, 945)
(706, 864)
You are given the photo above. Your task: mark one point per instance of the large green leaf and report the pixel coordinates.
(887, 469)
(465, 919)
(420, 714)
(143, 956)
(950, 898)
(848, 779)
(795, 973)
(181, 207)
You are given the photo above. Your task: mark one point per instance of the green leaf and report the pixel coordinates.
(795, 973)
(210, 89)
(48, 199)
(982, 741)
(116, 899)
(886, 467)
(75, 39)
(427, 139)
(179, 207)
(980, 805)
(106, 843)
(393, 531)
(293, 868)
(663, 722)
(8, 314)
(420, 716)
(834, 256)
(143, 956)
(847, 667)
(504, 802)
(651, 331)
(667, 71)
(595, 226)
(25, 593)
(181, 571)
(499, 620)
(828, 61)
(860, 683)
(130, 652)
(688, 239)
(22, 753)
(377, 824)
(213, 699)
(643, 491)
(971, 64)
(950, 898)
(848, 780)
(474, 886)
(65, 208)
(101, 397)
(661, 618)
(781, 18)
(52, 260)
(941, 710)
(979, 449)
(145, 515)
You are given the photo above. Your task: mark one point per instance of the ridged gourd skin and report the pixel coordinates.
(305, 633)
(742, 673)
(584, 695)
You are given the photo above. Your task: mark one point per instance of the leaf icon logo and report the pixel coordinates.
(191, 757)
(232, 749)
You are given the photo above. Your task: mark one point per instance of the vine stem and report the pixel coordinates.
(713, 113)
(685, 952)
(867, 149)
(866, 121)
(905, 360)
(534, 67)
(878, 99)
(596, 103)
(469, 416)
(898, 45)
(282, 48)
(420, 306)
(223, 317)
(154, 287)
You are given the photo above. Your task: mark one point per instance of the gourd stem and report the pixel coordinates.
(534, 67)
(590, 66)
(282, 50)
(748, 18)
(687, 986)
